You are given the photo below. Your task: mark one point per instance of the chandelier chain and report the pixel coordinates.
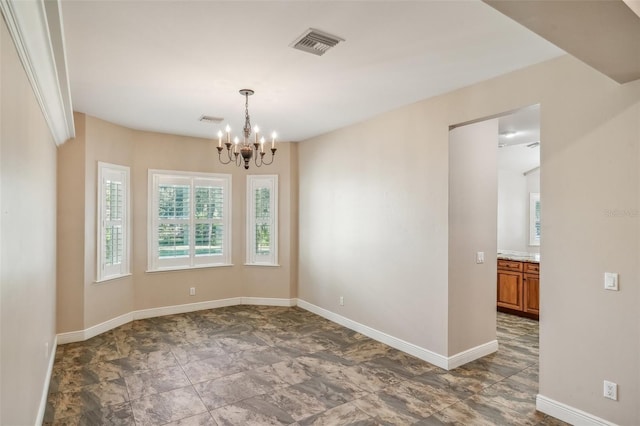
(247, 119)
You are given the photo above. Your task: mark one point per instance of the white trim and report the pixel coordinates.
(71, 337)
(255, 182)
(81, 335)
(266, 301)
(472, 354)
(534, 199)
(188, 268)
(113, 277)
(567, 413)
(191, 179)
(47, 381)
(121, 174)
(268, 265)
(36, 30)
(188, 307)
(404, 346)
(88, 333)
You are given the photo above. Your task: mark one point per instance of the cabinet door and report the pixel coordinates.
(510, 290)
(532, 293)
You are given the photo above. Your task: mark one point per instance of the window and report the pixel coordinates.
(534, 219)
(189, 220)
(113, 221)
(262, 220)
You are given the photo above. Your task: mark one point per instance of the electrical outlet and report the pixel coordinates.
(610, 390)
(341, 300)
(192, 291)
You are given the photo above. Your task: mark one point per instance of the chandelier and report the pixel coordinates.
(242, 152)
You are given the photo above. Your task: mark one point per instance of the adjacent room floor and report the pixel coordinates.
(252, 365)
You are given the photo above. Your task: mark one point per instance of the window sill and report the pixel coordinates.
(187, 268)
(111, 278)
(263, 264)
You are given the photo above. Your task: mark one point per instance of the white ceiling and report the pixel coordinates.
(160, 65)
(514, 155)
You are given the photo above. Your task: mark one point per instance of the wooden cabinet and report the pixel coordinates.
(510, 290)
(518, 288)
(531, 286)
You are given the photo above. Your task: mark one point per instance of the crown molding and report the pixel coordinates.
(37, 32)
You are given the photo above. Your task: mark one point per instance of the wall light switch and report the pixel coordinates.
(480, 257)
(611, 281)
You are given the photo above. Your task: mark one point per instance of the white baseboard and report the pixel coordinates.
(88, 333)
(472, 354)
(266, 301)
(70, 337)
(47, 381)
(187, 307)
(81, 335)
(417, 351)
(567, 413)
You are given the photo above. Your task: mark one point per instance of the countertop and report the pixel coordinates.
(520, 256)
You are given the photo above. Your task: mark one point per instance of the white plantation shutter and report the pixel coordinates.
(113, 221)
(190, 218)
(262, 220)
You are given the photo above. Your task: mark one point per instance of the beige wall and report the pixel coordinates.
(108, 143)
(473, 227)
(70, 226)
(103, 141)
(374, 220)
(373, 224)
(28, 242)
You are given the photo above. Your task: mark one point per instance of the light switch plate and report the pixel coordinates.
(480, 257)
(611, 281)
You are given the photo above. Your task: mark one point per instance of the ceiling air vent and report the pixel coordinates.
(210, 119)
(315, 41)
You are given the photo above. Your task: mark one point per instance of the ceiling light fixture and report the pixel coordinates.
(509, 134)
(243, 152)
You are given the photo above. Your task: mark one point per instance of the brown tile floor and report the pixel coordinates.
(250, 365)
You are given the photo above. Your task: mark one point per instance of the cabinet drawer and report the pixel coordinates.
(532, 268)
(510, 265)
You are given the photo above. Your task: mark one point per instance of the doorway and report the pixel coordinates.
(474, 243)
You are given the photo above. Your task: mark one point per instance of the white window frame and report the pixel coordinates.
(104, 271)
(156, 177)
(534, 220)
(255, 182)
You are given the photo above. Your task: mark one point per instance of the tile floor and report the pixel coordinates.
(252, 365)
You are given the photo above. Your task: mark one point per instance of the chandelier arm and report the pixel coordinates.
(220, 155)
(273, 154)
